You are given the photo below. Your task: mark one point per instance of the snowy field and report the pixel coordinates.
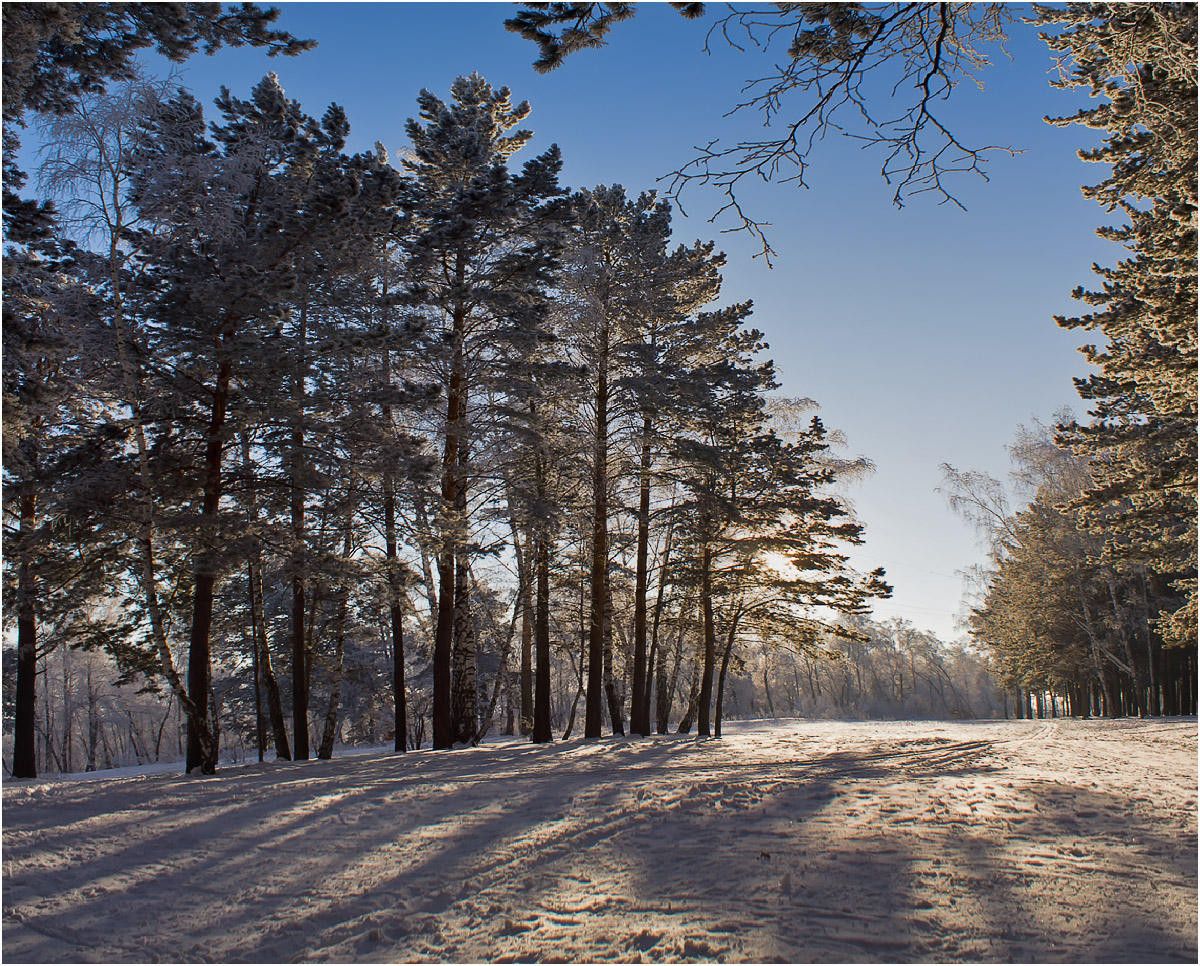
(789, 841)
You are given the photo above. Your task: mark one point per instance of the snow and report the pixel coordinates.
(794, 841)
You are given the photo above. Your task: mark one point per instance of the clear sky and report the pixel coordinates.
(925, 334)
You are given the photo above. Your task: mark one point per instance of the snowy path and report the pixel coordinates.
(790, 841)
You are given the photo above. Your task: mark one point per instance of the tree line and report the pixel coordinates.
(1122, 532)
(271, 405)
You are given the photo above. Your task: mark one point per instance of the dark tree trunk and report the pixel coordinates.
(667, 695)
(443, 646)
(767, 691)
(593, 713)
(274, 702)
(663, 685)
(648, 690)
(201, 745)
(24, 714)
(464, 686)
(299, 673)
(689, 715)
(300, 665)
(541, 697)
(264, 672)
(710, 645)
(329, 733)
(721, 678)
(615, 716)
(528, 566)
(639, 723)
(395, 603)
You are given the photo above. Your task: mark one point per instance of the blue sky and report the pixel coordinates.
(926, 334)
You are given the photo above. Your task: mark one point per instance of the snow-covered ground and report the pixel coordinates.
(788, 841)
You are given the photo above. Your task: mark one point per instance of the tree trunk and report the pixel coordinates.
(728, 650)
(443, 647)
(615, 716)
(639, 723)
(663, 684)
(329, 733)
(395, 603)
(274, 702)
(202, 746)
(664, 709)
(198, 722)
(541, 633)
(465, 690)
(300, 665)
(767, 689)
(599, 579)
(710, 649)
(527, 565)
(685, 723)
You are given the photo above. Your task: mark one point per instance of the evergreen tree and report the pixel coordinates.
(234, 221)
(609, 279)
(481, 253)
(1142, 440)
(54, 53)
(653, 357)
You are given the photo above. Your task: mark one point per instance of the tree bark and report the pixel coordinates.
(260, 735)
(640, 707)
(300, 683)
(615, 716)
(274, 702)
(666, 696)
(201, 745)
(541, 633)
(443, 646)
(329, 733)
(689, 715)
(465, 690)
(721, 682)
(710, 649)
(593, 709)
(527, 566)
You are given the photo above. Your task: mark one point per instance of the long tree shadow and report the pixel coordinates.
(659, 847)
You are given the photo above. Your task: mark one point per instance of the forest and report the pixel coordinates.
(306, 448)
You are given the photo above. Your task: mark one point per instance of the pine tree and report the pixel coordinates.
(1142, 439)
(55, 53)
(653, 356)
(62, 557)
(234, 221)
(609, 278)
(481, 253)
